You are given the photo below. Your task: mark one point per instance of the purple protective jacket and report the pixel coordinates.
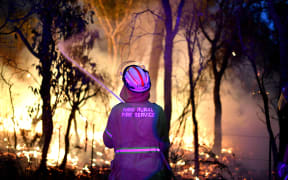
(138, 132)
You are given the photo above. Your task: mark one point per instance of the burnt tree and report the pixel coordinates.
(191, 37)
(76, 86)
(220, 23)
(47, 26)
(278, 13)
(171, 32)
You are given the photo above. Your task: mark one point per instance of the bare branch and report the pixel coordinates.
(24, 18)
(89, 96)
(119, 25)
(4, 24)
(106, 16)
(136, 17)
(25, 41)
(24, 70)
(179, 14)
(204, 32)
(12, 104)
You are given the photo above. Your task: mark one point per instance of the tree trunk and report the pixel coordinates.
(267, 116)
(217, 118)
(192, 98)
(218, 74)
(283, 115)
(76, 132)
(282, 29)
(170, 34)
(217, 103)
(283, 124)
(156, 52)
(47, 126)
(109, 49)
(269, 128)
(168, 77)
(114, 49)
(13, 109)
(46, 61)
(195, 133)
(67, 141)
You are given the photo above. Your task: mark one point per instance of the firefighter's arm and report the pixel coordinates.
(283, 166)
(163, 131)
(107, 135)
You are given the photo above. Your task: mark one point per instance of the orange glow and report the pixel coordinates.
(93, 113)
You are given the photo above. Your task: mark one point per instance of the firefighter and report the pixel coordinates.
(137, 130)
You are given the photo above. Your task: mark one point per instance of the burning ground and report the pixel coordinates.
(244, 153)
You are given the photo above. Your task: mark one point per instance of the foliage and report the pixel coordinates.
(53, 20)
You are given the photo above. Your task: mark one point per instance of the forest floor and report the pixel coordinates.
(11, 168)
(15, 168)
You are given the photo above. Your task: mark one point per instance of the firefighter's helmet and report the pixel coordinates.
(136, 79)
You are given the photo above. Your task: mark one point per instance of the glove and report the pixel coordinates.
(282, 169)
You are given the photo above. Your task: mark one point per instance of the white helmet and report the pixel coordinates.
(136, 79)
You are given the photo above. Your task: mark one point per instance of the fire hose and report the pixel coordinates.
(61, 49)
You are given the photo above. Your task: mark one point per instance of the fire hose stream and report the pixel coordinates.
(61, 49)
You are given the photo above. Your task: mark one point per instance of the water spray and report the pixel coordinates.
(61, 49)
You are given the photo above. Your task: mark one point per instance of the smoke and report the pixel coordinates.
(242, 118)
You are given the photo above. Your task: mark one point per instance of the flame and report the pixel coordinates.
(82, 160)
(226, 150)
